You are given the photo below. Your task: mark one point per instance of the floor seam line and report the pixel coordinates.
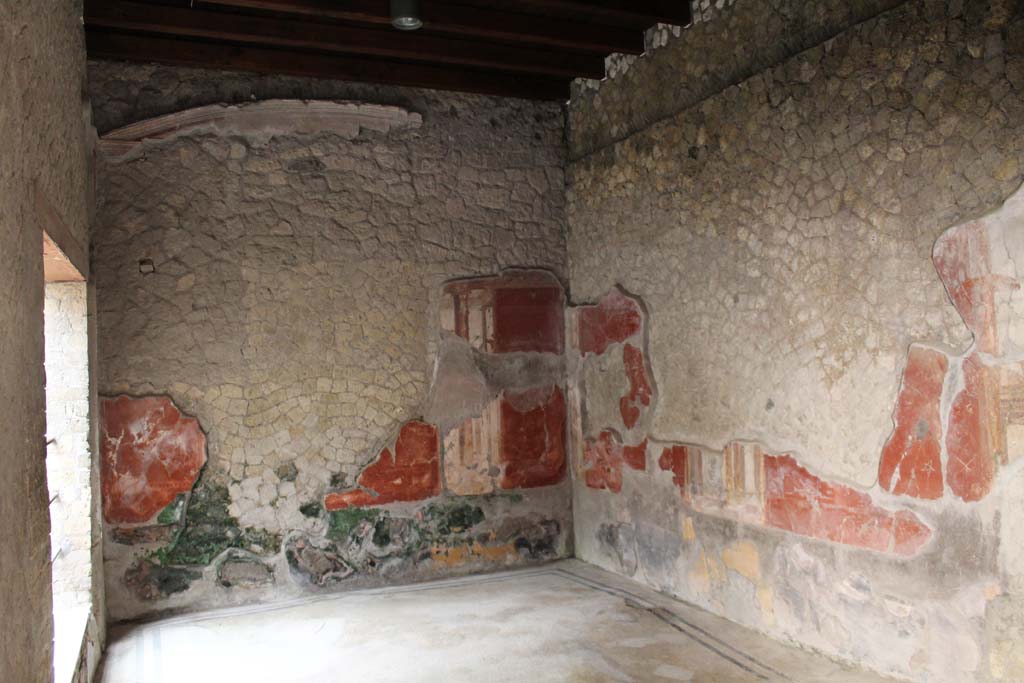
(666, 616)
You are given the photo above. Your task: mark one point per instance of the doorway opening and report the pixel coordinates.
(68, 455)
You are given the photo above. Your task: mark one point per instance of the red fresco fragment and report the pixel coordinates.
(518, 311)
(675, 459)
(910, 533)
(972, 433)
(911, 462)
(532, 438)
(603, 463)
(603, 459)
(150, 453)
(412, 473)
(639, 387)
(636, 456)
(962, 260)
(528, 319)
(614, 319)
(800, 502)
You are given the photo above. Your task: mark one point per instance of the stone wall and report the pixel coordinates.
(45, 156)
(734, 400)
(288, 315)
(726, 44)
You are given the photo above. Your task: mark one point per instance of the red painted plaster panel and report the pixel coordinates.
(910, 533)
(963, 261)
(911, 462)
(150, 453)
(636, 456)
(516, 311)
(639, 387)
(604, 458)
(528, 319)
(800, 502)
(973, 435)
(675, 459)
(532, 438)
(614, 319)
(412, 473)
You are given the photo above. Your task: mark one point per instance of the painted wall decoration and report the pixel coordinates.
(517, 438)
(413, 472)
(151, 453)
(757, 534)
(743, 481)
(478, 479)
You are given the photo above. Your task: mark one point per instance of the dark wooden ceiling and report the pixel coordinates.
(516, 48)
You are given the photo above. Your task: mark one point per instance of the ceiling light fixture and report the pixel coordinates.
(405, 15)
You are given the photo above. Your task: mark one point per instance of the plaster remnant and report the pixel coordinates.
(689, 532)
(639, 388)
(676, 459)
(973, 439)
(411, 473)
(604, 457)
(150, 582)
(744, 482)
(517, 311)
(743, 558)
(260, 121)
(619, 540)
(239, 569)
(615, 318)
(532, 438)
(316, 561)
(706, 573)
(961, 257)
(471, 451)
(150, 453)
(800, 502)
(496, 388)
(528, 319)
(911, 462)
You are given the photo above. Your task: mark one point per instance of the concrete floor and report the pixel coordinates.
(565, 622)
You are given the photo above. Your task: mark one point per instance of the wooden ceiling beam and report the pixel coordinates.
(632, 14)
(351, 40)
(466, 20)
(103, 44)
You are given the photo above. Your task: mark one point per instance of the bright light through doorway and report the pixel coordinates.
(68, 456)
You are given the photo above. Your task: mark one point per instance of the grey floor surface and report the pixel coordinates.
(564, 622)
